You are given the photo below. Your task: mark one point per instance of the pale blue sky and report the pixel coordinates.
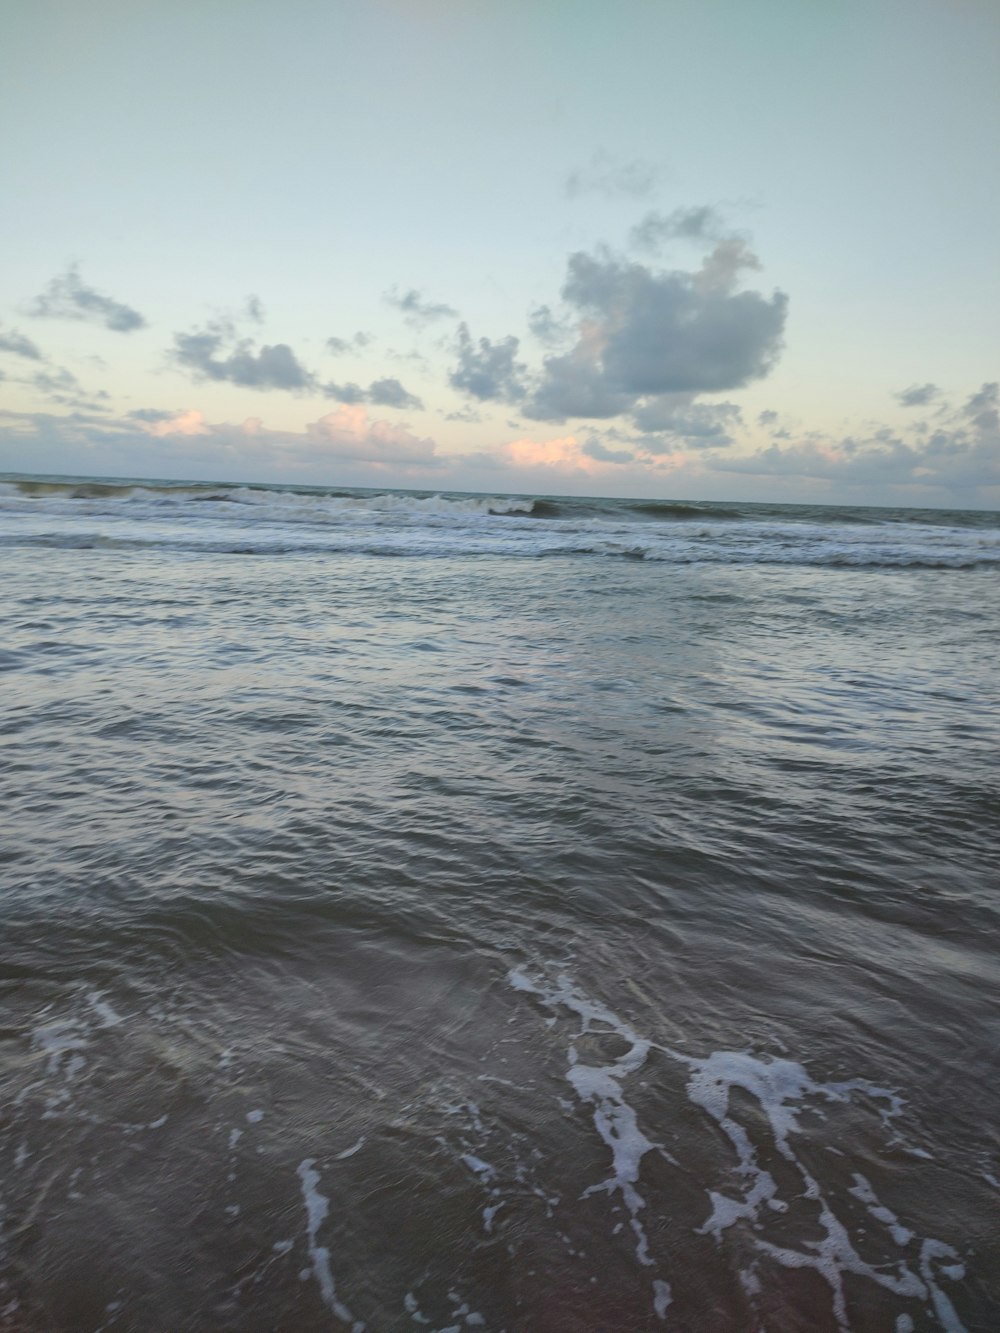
(320, 156)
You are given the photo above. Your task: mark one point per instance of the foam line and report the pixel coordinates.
(317, 1210)
(782, 1089)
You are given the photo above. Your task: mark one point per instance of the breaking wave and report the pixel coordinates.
(124, 514)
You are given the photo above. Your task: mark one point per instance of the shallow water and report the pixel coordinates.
(419, 917)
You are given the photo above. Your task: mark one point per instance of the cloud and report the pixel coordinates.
(488, 370)
(272, 367)
(416, 310)
(344, 393)
(151, 414)
(346, 443)
(595, 448)
(962, 455)
(17, 344)
(701, 223)
(55, 382)
(767, 418)
(722, 267)
(62, 386)
(983, 409)
(351, 434)
(918, 395)
(217, 353)
(68, 297)
(164, 425)
(348, 433)
(340, 346)
(390, 393)
(548, 328)
(644, 334)
(699, 425)
(381, 393)
(561, 454)
(613, 177)
(958, 463)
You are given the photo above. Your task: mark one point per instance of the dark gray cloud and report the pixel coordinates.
(489, 371)
(380, 393)
(644, 334)
(416, 310)
(17, 344)
(699, 425)
(613, 177)
(350, 393)
(213, 353)
(390, 393)
(983, 409)
(595, 448)
(918, 395)
(701, 223)
(217, 353)
(68, 297)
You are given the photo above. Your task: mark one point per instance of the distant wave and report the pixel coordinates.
(283, 501)
(662, 510)
(324, 505)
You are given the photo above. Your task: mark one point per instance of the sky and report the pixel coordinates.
(665, 248)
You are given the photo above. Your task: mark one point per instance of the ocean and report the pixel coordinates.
(514, 913)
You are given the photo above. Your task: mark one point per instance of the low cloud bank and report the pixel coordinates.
(957, 456)
(957, 462)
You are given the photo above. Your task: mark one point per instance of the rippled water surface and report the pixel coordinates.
(421, 912)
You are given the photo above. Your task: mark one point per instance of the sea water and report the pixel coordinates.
(519, 913)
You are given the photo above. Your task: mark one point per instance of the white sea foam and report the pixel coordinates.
(783, 1091)
(61, 1038)
(317, 1210)
(258, 520)
(104, 1011)
(862, 1190)
(602, 1088)
(662, 1297)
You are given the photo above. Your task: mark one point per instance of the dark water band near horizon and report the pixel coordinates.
(516, 913)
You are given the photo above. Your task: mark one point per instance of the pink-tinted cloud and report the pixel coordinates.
(191, 422)
(350, 433)
(562, 452)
